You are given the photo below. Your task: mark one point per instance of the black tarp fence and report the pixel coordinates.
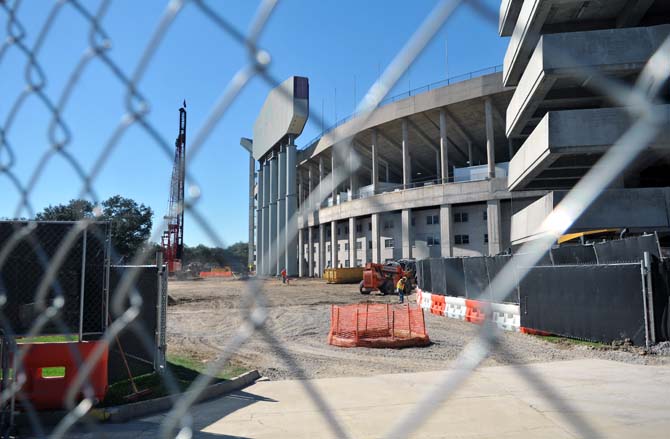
(573, 295)
(591, 302)
(142, 359)
(31, 248)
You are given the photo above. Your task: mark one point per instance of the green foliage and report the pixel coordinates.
(72, 211)
(184, 369)
(235, 256)
(131, 222)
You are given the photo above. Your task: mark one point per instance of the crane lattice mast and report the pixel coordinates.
(173, 238)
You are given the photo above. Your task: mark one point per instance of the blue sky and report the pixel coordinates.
(341, 46)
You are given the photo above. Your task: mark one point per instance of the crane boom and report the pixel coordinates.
(172, 240)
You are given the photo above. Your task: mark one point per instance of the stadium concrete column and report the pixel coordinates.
(310, 251)
(333, 185)
(266, 217)
(490, 140)
(406, 159)
(406, 219)
(353, 176)
(321, 177)
(470, 158)
(310, 188)
(281, 208)
(291, 244)
(272, 207)
(322, 248)
(301, 252)
(375, 165)
(444, 147)
(259, 220)
(252, 182)
(333, 244)
(352, 241)
(493, 226)
(376, 251)
(446, 246)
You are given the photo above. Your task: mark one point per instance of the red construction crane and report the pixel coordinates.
(172, 240)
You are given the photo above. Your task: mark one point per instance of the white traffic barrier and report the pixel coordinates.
(506, 316)
(455, 307)
(425, 300)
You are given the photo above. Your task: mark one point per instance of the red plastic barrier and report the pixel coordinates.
(475, 311)
(48, 393)
(533, 331)
(437, 304)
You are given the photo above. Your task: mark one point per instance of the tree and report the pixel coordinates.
(72, 211)
(131, 223)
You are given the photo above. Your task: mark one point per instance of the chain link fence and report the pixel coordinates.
(42, 308)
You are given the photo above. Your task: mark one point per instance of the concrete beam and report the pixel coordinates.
(490, 138)
(450, 122)
(420, 197)
(406, 220)
(567, 55)
(322, 248)
(333, 244)
(281, 209)
(446, 232)
(376, 249)
(632, 12)
(444, 148)
(398, 148)
(352, 241)
(406, 159)
(642, 209)
(573, 132)
(291, 245)
(310, 251)
(509, 12)
(494, 226)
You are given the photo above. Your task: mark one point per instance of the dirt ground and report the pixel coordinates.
(209, 311)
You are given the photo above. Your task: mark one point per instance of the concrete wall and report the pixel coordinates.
(637, 209)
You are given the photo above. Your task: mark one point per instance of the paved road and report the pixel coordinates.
(617, 400)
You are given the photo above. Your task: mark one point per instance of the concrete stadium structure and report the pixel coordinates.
(432, 181)
(564, 122)
(473, 167)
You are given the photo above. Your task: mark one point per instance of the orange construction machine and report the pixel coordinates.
(384, 277)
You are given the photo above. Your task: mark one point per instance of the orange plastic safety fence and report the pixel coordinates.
(377, 325)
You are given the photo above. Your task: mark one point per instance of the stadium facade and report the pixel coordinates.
(473, 167)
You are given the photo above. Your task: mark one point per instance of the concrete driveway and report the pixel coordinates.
(615, 400)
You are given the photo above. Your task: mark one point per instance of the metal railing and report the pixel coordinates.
(412, 92)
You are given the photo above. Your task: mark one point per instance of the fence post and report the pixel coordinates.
(392, 323)
(366, 317)
(644, 303)
(423, 321)
(409, 321)
(356, 336)
(650, 296)
(388, 328)
(82, 287)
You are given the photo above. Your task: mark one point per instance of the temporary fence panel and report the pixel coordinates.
(377, 325)
(423, 274)
(438, 280)
(476, 278)
(148, 285)
(495, 264)
(81, 279)
(661, 298)
(454, 277)
(592, 302)
(573, 255)
(628, 249)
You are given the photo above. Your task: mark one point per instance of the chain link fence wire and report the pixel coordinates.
(44, 309)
